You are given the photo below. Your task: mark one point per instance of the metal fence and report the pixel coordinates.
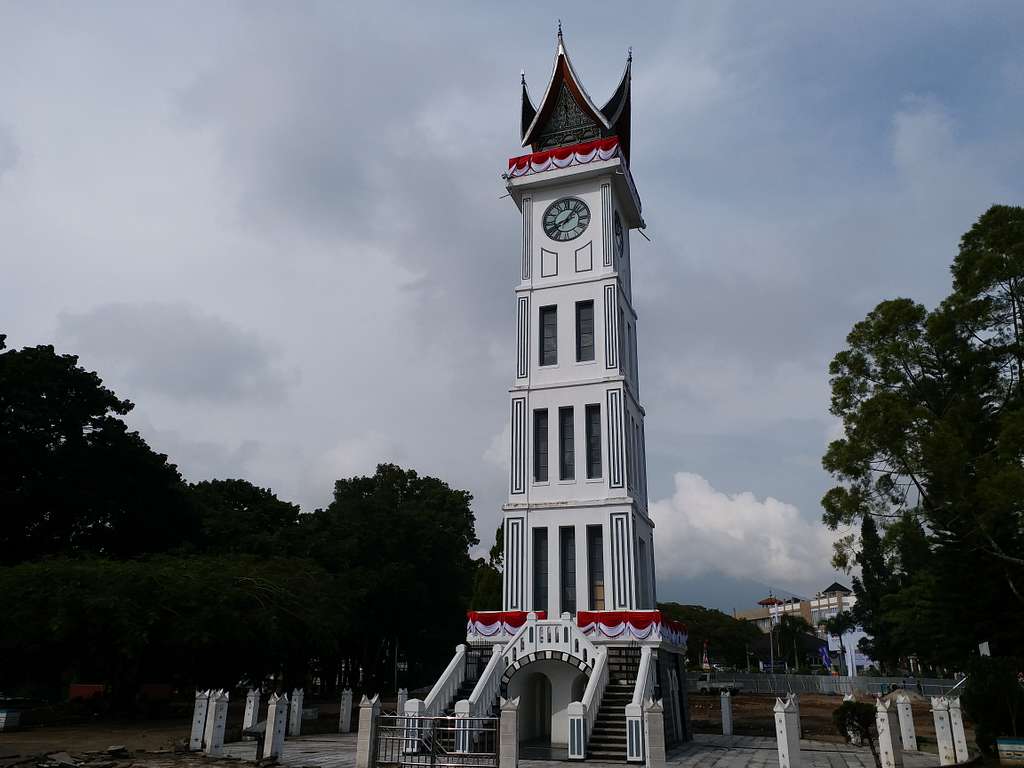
(455, 742)
(838, 685)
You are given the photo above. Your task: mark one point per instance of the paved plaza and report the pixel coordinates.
(706, 751)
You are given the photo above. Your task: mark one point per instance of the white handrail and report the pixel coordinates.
(447, 685)
(644, 677)
(594, 692)
(485, 692)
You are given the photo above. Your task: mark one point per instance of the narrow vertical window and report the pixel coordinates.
(540, 445)
(584, 330)
(643, 581)
(540, 569)
(595, 566)
(548, 335)
(567, 558)
(593, 418)
(566, 445)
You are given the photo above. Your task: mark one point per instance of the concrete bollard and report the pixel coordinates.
(462, 734)
(252, 711)
(403, 696)
(787, 733)
(345, 712)
(943, 731)
(726, 698)
(907, 733)
(654, 728)
(412, 725)
(890, 747)
(369, 711)
(956, 725)
(277, 719)
(195, 742)
(216, 719)
(508, 734)
(295, 718)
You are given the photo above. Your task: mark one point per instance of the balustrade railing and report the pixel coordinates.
(447, 685)
(485, 693)
(550, 635)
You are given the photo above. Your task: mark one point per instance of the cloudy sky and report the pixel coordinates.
(277, 228)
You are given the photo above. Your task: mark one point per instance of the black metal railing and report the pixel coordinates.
(447, 742)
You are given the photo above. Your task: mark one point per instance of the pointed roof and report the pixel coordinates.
(567, 115)
(835, 586)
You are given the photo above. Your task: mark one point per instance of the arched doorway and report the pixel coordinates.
(545, 689)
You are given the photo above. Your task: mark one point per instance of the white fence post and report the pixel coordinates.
(577, 729)
(195, 743)
(345, 712)
(295, 721)
(787, 733)
(508, 734)
(956, 725)
(277, 717)
(726, 699)
(907, 733)
(634, 733)
(799, 723)
(890, 748)
(369, 710)
(216, 719)
(943, 731)
(415, 711)
(654, 727)
(252, 712)
(462, 726)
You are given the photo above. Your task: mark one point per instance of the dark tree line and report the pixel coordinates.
(115, 570)
(930, 470)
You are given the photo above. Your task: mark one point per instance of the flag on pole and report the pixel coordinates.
(825, 658)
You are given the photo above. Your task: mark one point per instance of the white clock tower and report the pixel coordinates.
(579, 642)
(577, 531)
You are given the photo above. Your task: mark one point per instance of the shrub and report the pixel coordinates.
(856, 720)
(994, 699)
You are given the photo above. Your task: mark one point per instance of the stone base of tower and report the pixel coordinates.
(583, 683)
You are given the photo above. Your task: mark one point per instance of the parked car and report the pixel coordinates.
(707, 684)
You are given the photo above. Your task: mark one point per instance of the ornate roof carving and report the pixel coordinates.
(567, 115)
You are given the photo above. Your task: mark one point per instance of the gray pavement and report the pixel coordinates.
(706, 751)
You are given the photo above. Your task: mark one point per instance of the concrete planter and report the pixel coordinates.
(1011, 751)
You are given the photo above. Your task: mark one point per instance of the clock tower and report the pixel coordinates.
(579, 642)
(578, 536)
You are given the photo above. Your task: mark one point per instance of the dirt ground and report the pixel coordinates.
(752, 715)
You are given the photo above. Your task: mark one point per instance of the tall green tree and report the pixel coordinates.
(933, 413)
(237, 516)
(73, 477)
(876, 581)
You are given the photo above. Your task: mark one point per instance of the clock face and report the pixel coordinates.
(618, 235)
(566, 219)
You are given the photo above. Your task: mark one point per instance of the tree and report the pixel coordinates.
(237, 516)
(840, 625)
(729, 639)
(876, 581)
(487, 576)
(855, 721)
(932, 407)
(401, 543)
(73, 477)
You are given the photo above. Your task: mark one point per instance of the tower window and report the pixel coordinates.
(567, 558)
(540, 569)
(584, 330)
(566, 445)
(593, 420)
(540, 445)
(549, 335)
(595, 566)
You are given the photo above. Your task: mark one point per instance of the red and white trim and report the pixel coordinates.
(496, 623)
(563, 157)
(630, 625)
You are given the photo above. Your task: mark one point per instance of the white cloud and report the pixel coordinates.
(701, 530)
